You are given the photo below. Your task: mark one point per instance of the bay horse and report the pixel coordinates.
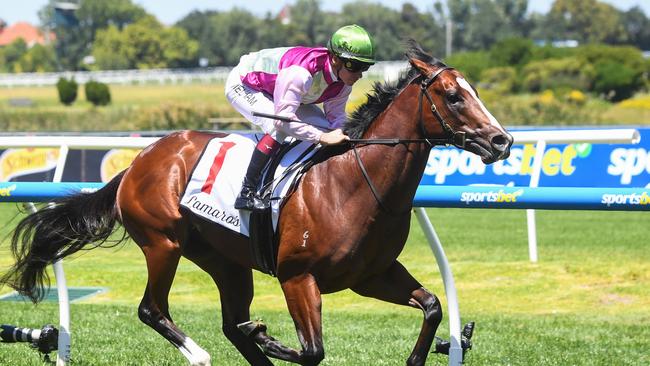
(355, 202)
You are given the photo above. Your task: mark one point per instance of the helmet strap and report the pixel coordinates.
(337, 63)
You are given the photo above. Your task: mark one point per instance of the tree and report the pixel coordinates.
(12, 53)
(308, 23)
(587, 21)
(199, 26)
(422, 27)
(178, 49)
(480, 23)
(236, 34)
(73, 42)
(637, 26)
(381, 22)
(512, 52)
(39, 58)
(144, 44)
(67, 90)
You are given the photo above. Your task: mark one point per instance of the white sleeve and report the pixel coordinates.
(290, 85)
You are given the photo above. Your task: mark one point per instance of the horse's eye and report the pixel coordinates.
(453, 98)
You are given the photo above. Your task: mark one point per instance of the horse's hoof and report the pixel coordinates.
(252, 327)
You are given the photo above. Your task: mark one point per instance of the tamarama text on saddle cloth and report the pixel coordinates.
(218, 175)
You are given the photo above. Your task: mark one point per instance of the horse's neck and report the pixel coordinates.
(396, 171)
(400, 119)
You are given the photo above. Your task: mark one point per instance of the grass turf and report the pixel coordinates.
(585, 302)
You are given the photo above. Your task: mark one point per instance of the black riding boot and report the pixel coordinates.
(246, 198)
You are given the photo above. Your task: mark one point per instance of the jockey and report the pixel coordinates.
(290, 82)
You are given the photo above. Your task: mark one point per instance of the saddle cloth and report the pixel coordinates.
(218, 175)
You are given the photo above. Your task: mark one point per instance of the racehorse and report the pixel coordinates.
(355, 203)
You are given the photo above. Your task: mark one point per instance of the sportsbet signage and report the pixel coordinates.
(573, 165)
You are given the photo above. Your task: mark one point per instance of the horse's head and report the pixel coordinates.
(450, 106)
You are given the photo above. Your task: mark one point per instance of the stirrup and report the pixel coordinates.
(245, 200)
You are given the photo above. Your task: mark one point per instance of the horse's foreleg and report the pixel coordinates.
(162, 258)
(396, 285)
(304, 303)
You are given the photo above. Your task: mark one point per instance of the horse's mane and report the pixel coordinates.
(384, 93)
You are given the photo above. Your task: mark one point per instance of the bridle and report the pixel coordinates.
(455, 138)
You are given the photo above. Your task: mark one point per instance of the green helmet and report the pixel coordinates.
(354, 43)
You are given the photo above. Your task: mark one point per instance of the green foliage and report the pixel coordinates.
(637, 26)
(471, 64)
(39, 58)
(144, 44)
(512, 52)
(587, 21)
(11, 55)
(619, 71)
(551, 52)
(557, 74)
(616, 82)
(67, 90)
(73, 43)
(478, 24)
(97, 93)
(502, 80)
(545, 109)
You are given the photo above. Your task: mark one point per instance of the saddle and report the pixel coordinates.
(216, 180)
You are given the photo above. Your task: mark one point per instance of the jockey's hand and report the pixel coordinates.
(333, 137)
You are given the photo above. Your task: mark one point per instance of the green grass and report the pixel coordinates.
(133, 108)
(585, 303)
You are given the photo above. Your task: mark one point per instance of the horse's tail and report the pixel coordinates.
(58, 230)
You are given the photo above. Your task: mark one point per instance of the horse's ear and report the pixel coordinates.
(424, 68)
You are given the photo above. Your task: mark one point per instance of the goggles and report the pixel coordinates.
(355, 66)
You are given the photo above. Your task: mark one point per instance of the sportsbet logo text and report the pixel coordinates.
(445, 162)
(491, 196)
(626, 199)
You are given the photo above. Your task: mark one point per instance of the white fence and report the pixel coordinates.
(387, 70)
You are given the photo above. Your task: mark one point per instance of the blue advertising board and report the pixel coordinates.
(570, 165)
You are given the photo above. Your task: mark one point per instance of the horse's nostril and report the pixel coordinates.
(499, 142)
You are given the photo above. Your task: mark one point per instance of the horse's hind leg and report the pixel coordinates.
(235, 285)
(397, 286)
(162, 256)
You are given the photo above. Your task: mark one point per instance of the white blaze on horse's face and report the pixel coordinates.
(493, 121)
